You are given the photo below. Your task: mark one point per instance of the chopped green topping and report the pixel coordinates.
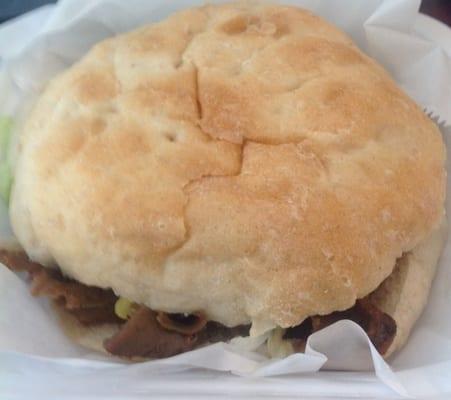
(6, 180)
(124, 308)
(6, 177)
(277, 346)
(6, 124)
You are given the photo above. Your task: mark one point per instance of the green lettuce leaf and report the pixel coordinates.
(6, 178)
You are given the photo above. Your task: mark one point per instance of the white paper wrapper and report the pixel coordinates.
(37, 360)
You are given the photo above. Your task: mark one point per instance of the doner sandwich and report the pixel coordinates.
(233, 170)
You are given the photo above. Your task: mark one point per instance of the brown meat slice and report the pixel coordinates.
(216, 332)
(70, 294)
(379, 326)
(181, 323)
(143, 336)
(90, 305)
(18, 261)
(95, 315)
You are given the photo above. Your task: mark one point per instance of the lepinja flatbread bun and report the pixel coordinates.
(232, 170)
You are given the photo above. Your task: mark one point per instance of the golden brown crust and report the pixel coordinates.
(248, 161)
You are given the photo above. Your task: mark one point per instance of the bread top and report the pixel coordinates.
(244, 160)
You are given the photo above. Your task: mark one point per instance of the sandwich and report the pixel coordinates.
(234, 170)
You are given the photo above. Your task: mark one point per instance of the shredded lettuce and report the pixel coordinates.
(6, 124)
(249, 343)
(6, 177)
(6, 180)
(276, 346)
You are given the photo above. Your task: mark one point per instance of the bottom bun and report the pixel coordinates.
(404, 294)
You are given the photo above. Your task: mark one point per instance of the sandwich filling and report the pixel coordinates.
(143, 332)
